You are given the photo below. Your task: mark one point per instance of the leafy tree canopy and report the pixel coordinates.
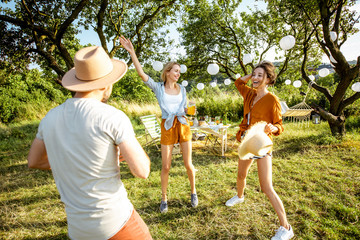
(45, 32)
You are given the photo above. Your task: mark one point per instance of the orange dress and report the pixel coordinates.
(266, 109)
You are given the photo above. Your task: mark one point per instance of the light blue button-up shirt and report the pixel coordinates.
(159, 90)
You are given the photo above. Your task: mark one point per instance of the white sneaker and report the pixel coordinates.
(234, 200)
(283, 234)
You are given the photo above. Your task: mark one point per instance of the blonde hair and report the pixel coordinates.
(167, 68)
(269, 69)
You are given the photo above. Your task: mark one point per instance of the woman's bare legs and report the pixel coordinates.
(265, 177)
(166, 154)
(243, 169)
(186, 148)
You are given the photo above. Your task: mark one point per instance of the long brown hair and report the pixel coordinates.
(167, 68)
(269, 69)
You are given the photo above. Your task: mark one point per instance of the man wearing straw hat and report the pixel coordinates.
(81, 141)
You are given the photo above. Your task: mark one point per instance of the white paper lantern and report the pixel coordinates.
(213, 84)
(200, 86)
(356, 87)
(237, 75)
(184, 83)
(157, 65)
(183, 68)
(311, 77)
(227, 81)
(287, 42)
(332, 59)
(288, 82)
(333, 36)
(324, 72)
(247, 58)
(213, 69)
(297, 83)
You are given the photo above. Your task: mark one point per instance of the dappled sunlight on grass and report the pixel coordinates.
(316, 175)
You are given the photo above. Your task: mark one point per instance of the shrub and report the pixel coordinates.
(353, 123)
(24, 97)
(218, 102)
(132, 89)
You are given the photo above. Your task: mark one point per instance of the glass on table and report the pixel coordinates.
(191, 121)
(217, 119)
(191, 108)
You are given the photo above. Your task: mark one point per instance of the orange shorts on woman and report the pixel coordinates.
(178, 133)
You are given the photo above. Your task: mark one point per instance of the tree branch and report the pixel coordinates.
(50, 59)
(100, 23)
(332, 119)
(349, 101)
(323, 90)
(24, 25)
(74, 14)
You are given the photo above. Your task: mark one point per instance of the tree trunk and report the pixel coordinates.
(336, 121)
(337, 128)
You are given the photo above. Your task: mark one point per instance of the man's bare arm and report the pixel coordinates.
(37, 157)
(136, 158)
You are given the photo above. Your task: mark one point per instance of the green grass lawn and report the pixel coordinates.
(316, 176)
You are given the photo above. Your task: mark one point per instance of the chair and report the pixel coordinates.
(215, 136)
(152, 129)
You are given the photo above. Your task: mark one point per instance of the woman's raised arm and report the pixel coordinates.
(126, 43)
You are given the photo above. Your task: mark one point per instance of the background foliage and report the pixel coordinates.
(46, 33)
(28, 96)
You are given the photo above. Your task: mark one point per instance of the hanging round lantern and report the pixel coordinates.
(333, 36)
(184, 83)
(200, 86)
(287, 42)
(356, 87)
(288, 82)
(237, 75)
(157, 65)
(183, 68)
(311, 77)
(213, 68)
(247, 58)
(227, 81)
(332, 59)
(297, 83)
(324, 72)
(213, 84)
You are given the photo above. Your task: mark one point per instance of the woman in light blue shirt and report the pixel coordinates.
(174, 127)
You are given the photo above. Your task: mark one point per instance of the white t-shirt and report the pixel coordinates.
(81, 138)
(173, 102)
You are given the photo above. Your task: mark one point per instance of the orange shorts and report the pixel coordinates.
(178, 133)
(135, 228)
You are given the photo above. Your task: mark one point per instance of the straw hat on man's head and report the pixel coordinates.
(93, 70)
(255, 143)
